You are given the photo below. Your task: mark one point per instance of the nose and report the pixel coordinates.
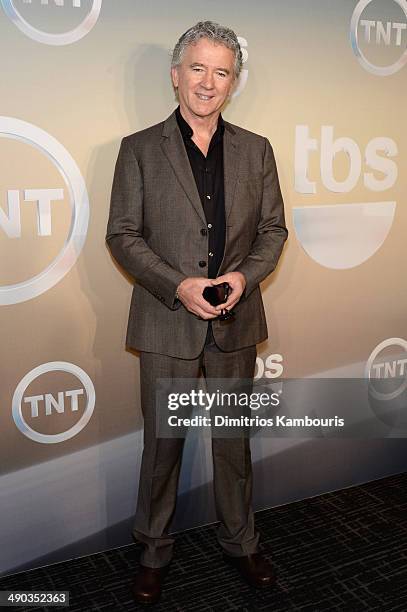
(208, 80)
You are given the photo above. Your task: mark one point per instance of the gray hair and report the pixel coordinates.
(214, 32)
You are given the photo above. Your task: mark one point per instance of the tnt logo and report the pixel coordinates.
(387, 364)
(75, 3)
(49, 402)
(44, 211)
(389, 369)
(53, 22)
(379, 40)
(383, 32)
(10, 223)
(343, 235)
(386, 372)
(52, 416)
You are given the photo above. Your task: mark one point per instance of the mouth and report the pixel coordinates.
(203, 97)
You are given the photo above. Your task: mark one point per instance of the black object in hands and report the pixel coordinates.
(218, 294)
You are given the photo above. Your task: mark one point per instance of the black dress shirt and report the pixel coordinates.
(209, 178)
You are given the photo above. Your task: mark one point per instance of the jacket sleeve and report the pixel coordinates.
(125, 232)
(271, 230)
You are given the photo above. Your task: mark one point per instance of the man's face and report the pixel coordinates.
(205, 78)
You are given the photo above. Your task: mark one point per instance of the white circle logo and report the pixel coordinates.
(391, 367)
(53, 366)
(79, 202)
(383, 31)
(64, 38)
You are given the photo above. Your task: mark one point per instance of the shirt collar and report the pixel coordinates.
(187, 131)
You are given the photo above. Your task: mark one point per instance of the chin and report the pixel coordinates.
(208, 109)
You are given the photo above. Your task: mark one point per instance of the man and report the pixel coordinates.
(196, 202)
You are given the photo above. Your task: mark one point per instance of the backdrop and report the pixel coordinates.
(326, 82)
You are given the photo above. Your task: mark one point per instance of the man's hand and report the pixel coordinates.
(190, 293)
(237, 284)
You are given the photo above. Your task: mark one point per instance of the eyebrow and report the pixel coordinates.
(203, 66)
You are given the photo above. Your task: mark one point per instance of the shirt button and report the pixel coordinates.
(204, 232)
(210, 254)
(210, 225)
(202, 264)
(208, 197)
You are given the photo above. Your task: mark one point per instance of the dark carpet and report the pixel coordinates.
(345, 550)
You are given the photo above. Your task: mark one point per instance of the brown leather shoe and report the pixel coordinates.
(147, 584)
(256, 570)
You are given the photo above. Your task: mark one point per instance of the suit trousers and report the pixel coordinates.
(161, 460)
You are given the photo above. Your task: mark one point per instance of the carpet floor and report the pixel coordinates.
(345, 550)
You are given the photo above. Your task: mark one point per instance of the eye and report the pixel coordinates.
(197, 69)
(222, 74)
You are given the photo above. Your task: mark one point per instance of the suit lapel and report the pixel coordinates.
(174, 149)
(231, 159)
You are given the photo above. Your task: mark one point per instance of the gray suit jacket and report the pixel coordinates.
(154, 232)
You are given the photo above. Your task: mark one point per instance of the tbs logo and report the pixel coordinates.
(52, 416)
(270, 367)
(345, 235)
(378, 38)
(34, 18)
(44, 211)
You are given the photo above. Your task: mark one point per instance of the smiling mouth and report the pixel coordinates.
(203, 97)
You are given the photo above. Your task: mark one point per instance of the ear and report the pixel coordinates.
(174, 76)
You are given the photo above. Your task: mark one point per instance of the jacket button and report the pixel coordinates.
(204, 232)
(202, 264)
